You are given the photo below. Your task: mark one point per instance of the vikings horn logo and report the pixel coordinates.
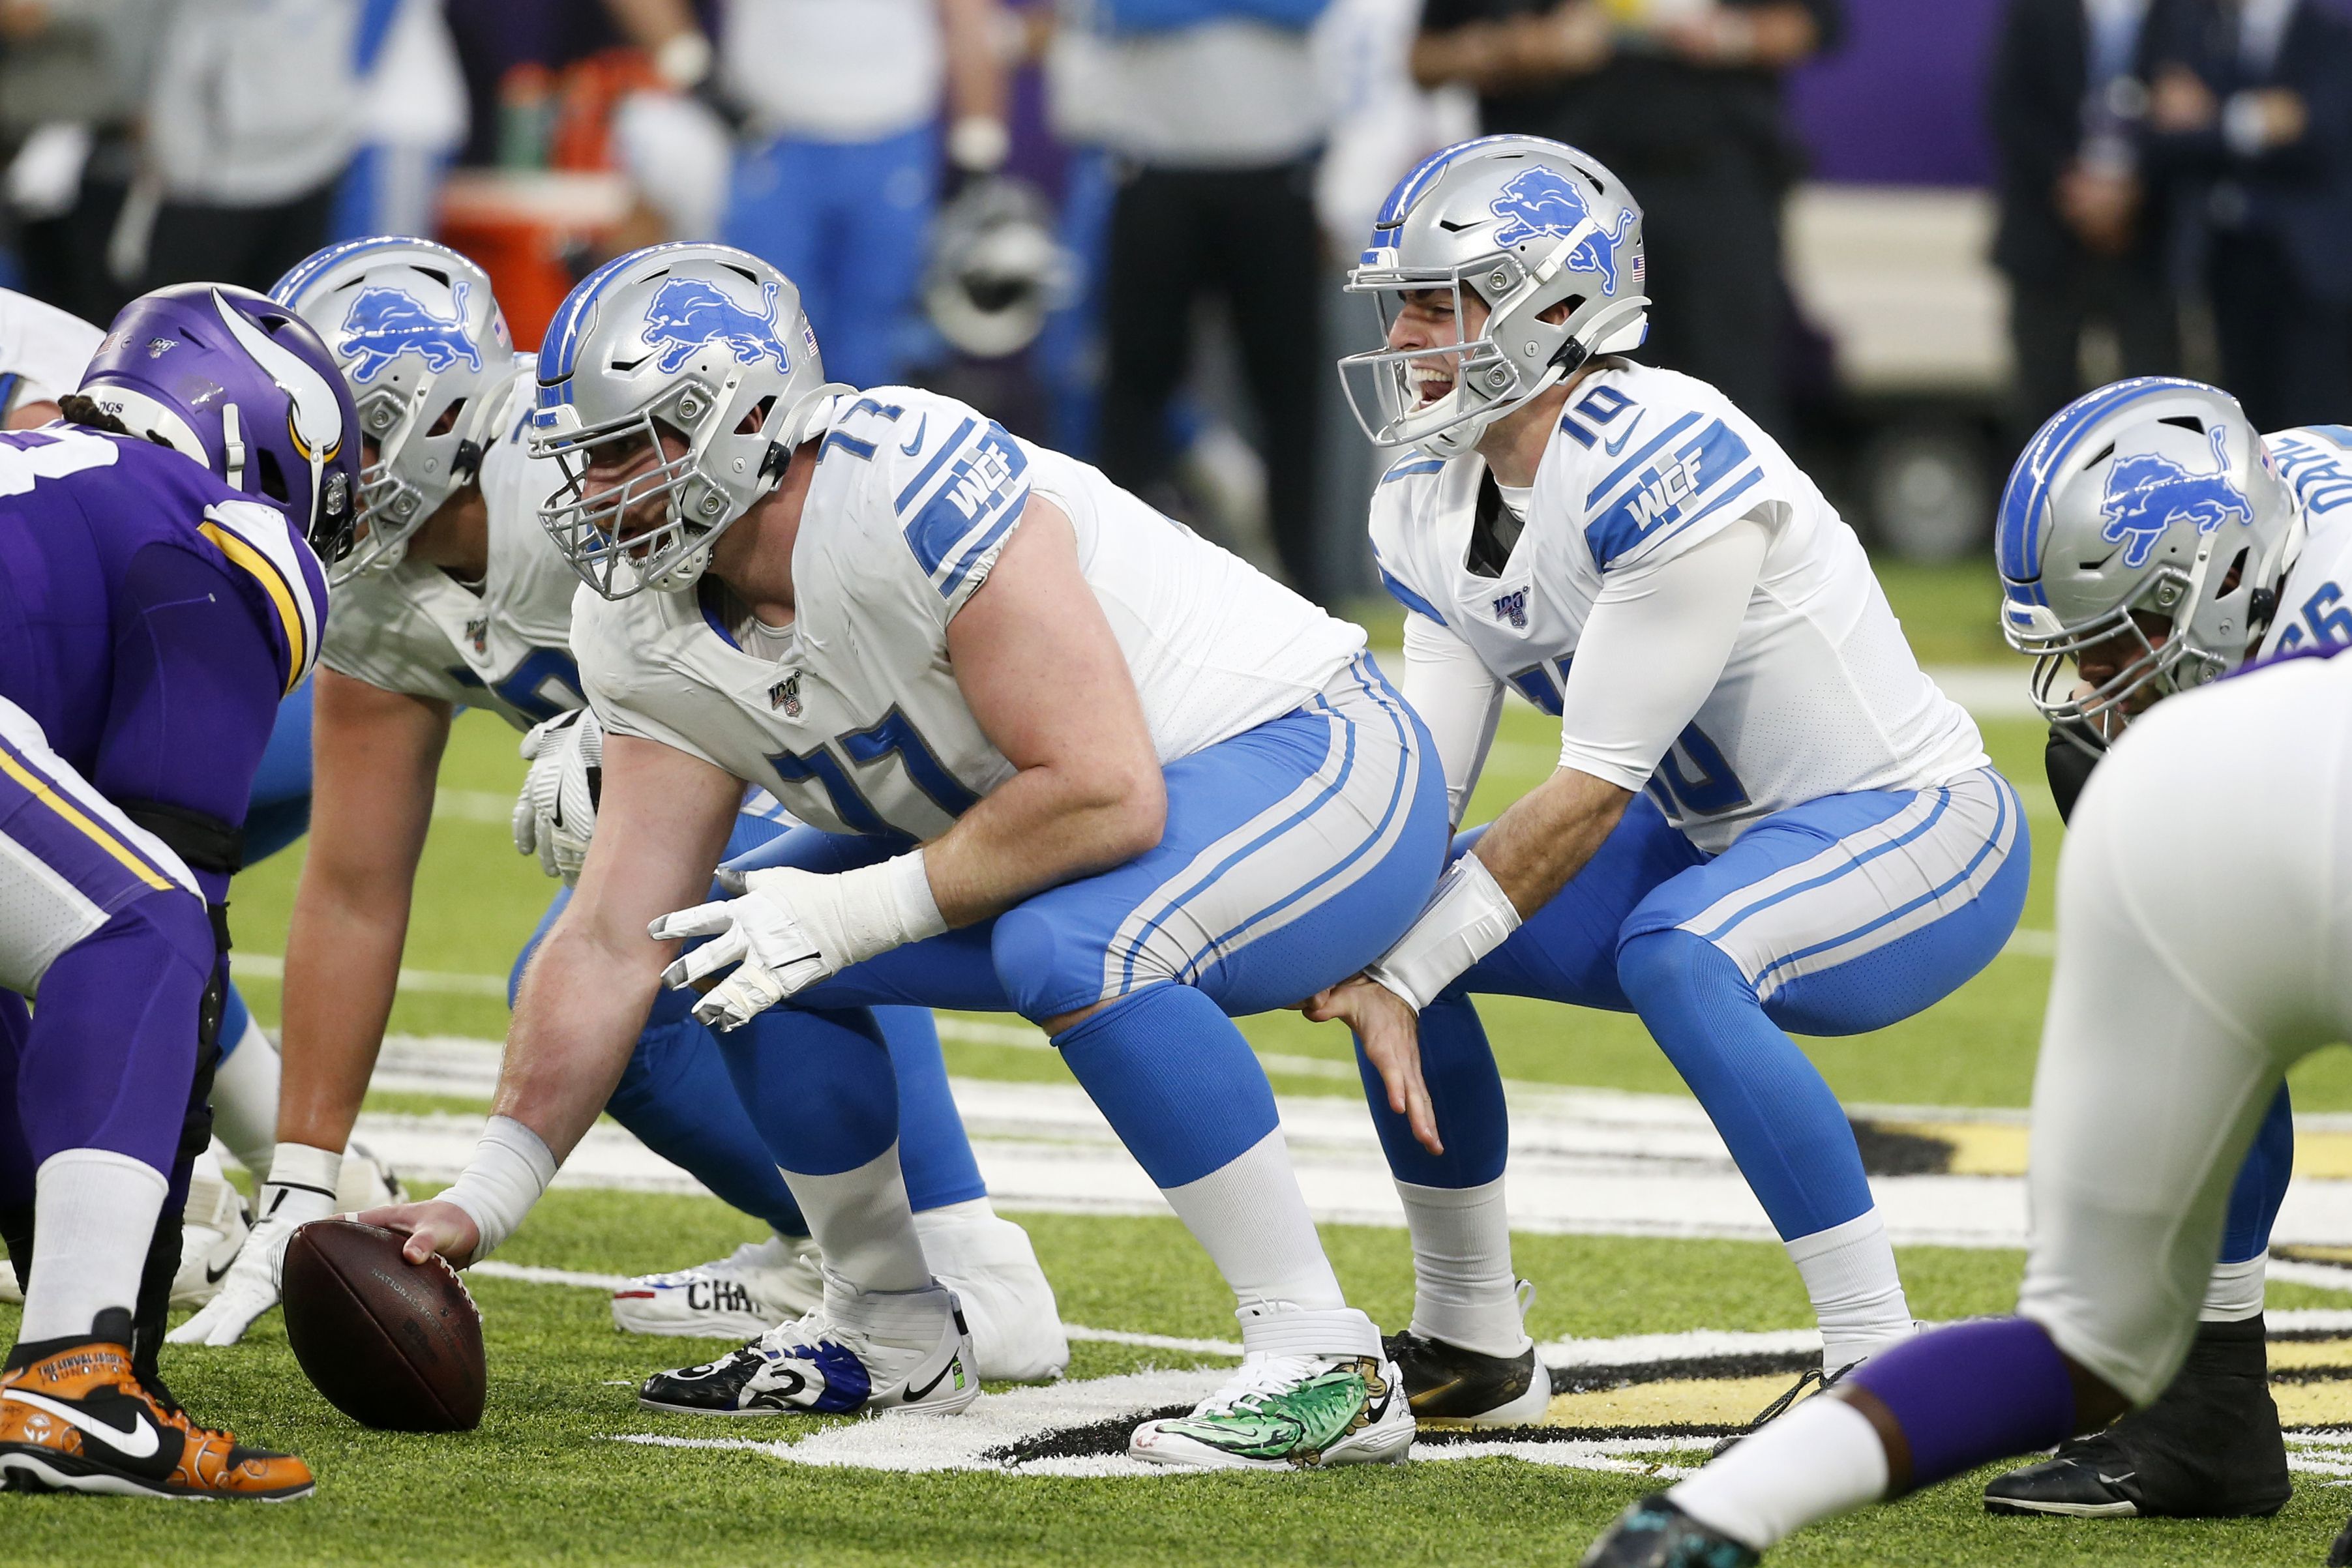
(384, 323)
(1541, 201)
(689, 312)
(2147, 493)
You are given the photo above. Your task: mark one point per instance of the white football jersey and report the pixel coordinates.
(2316, 464)
(414, 628)
(1820, 694)
(852, 716)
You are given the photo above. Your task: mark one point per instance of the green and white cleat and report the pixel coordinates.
(1285, 1411)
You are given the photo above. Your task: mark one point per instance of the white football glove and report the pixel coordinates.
(251, 1287)
(792, 928)
(555, 815)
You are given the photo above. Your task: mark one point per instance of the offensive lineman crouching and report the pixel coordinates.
(1151, 788)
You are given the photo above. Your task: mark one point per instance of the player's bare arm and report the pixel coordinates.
(1037, 660)
(663, 821)
(375, 757)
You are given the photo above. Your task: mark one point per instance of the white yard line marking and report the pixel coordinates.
(270, 966)
(485, 806)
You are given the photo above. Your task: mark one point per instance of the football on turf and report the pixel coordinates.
(393, 1345)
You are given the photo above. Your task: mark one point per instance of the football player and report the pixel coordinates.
(1766, 817)
(154, 614)
(2151, 540)
(1059, 755)
(2202, 893)
(456, 596)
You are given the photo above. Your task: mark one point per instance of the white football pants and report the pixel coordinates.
(2203, 948)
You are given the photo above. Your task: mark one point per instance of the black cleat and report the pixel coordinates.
(2209, 1447)
(1445, 1381)
(1654, 1534)
(2339, 1555)
(1812, 1378)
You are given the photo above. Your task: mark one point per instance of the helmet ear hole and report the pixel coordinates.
(2234, 576)
(270, 477)
(448, 420)
(755, 419)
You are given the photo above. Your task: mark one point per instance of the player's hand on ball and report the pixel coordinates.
(762, 933)
(1388, 1032)
(555, 815)
(431, 1226)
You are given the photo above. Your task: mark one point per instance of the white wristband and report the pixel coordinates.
(510, 1168)
(307, 1169)
(876, 909)
(1466, 918)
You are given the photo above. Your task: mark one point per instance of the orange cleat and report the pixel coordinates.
(78, 1418)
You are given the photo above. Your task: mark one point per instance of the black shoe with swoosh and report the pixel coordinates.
(1448, 1382)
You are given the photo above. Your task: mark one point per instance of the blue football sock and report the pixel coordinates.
(819, 1086)
(677, 1096)
(1465, 1088)
(2262, 1185)
(933, 1153)
(1973, 1392)
(1784, 1128)
(236, 1019)
(1175, 1080)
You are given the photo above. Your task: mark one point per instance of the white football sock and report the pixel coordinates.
(861, 1220)
(1822, 1458)
(1849, 1272)
(2234, 1293)
(93, 1214)
(1250, 1217)
(1464, 1290)
(245, 1101)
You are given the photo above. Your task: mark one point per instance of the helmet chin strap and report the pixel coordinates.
(233, 447)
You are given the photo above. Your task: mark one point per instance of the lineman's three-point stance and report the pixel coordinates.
(1150, 787)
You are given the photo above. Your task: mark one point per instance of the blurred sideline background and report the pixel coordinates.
(1899, 233)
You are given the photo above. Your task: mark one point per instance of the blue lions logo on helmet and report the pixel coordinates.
(2147, 493)
(689, 312)
(384, 323)
(1541, 201)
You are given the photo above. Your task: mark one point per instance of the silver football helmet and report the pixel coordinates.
(704, 343)
(423, 348)
(2153, 497)
(995, 269)
(1525, 223)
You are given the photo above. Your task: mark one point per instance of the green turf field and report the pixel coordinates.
(544, 1482)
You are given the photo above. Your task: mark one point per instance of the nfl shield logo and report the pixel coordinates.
(1513, 608)
(786, 695)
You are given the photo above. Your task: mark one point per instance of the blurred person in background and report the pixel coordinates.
(2079, 241)
(411, 120)
(838, 177)
(1682, 100)
(2250, 121)
(252, 116)
(1216, 119)
(72, 78)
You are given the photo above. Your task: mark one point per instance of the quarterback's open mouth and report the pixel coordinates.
(1428, 383)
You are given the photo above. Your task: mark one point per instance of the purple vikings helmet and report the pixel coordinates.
(241, 385)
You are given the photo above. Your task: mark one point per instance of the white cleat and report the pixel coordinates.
(738, 1297)
(212, 1227)
(1016, 1326)
(899, 1351)
(367, 1181)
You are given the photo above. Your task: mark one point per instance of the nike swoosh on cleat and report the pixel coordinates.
(924, 1392)
(2115, 1480)
(1614, 447)
(138, 1443)
(917, 444)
